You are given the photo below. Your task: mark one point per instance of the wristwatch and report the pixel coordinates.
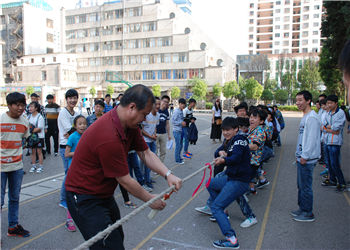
(167, 174)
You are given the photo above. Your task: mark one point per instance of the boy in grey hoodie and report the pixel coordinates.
(178, 122)
(332, 127)
(307, 153)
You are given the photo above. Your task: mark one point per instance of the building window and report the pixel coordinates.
(315, 50)
(32, 60)
(251, 21)
(285, 35)
(277, 35)
(70, 20)
(278, 10)
(305, 17)
(277, 19)
(277, 43)
(180, 74)
(316, 15)
(49, 37)
(19, 76)
(43, 75)
(315, 32)
(250, 45)
(93, 17)
(314, 40)
(278, 2)
(316, 7)
(286, 18)
(287, 10)
(148, 75)
(285, 43)
(304, 42)
(251, 5)
(304, 50)
(306, 8)
(287, 2)
(277, 51)
(277, 27)
(22, 61)
(43, 59)
(305, 33)
(251, 37)
(286, 27)
(49, 23)
(315, 24)
(251, 29)
(305, 25)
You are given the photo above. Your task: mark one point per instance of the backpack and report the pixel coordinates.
(33, 139)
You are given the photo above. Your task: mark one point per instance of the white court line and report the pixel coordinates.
(178, 243)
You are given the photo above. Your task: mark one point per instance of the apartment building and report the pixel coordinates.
(141, 41)
(27, 28)
(284, 26)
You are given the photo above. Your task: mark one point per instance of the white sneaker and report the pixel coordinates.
(249, 222)
(32, 169)
(39, 169)
(147, 188)
(204, 210)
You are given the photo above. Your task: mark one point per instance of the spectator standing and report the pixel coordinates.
(117, 101)
(87, 106)
(14, 129)
(333, 128)
(108, 103)
(280, 119)
(65, 123)
(98, 107)
(307, 153)
(37, 125)
(188, 114)
(216, 121)
(99, 166)
(178, 122)
(163, 128)
(52, 110)
(193, 132)
(150, 136)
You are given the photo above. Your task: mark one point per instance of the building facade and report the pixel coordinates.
(284, 26)
(144, 41)
(27, 28)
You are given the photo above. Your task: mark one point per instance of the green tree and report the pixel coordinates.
(175, 93)
(30, 90)
(92, 91)
(253, 89)
(267, 95)
(156, 90)
(230, 89)
(336, 29)
(217, 89)
(281, 96)
(271, 84)
(309, 76)
(198, 87)
(242, 92)
(110, 89)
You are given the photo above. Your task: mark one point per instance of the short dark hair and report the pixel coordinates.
(318, 101)
(100, 102)
(76, 119)
(240, 106)
(191, 101)
(108, 95)
(157, 98)
(182, 101)
(275, 106)
(229, 122)
(323, 102)
(243, 121)
(138, 94)
(49, 97)
(166, 97)
(15, 98)
(344, 58)
(306, 94)
(258, 112)
(322, 95)
(36, 105)
(332, 98)
(71, 93)
(34, 95)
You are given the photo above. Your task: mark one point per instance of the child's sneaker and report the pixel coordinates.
(204, 210)
(253, 191)
(186, 156)
(18, 231)
(227, 243)
(324, 172)
(32, 169)
(189, 153)
(70, 226)
(249, 222)
(130, 205)
(262, 184)
(39, 169)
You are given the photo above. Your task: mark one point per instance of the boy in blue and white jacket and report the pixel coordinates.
(232, 183)
(178, 123)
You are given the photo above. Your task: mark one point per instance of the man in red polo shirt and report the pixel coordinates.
(100, 163)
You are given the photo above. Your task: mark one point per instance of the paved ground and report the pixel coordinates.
(179, 226)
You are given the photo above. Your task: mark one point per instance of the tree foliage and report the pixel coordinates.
(156, 90)
(308, 76)
(267, 95)
(231, 89)
(271, 84)
(30, 90)
(336, 28)
(217, 89)
(253, 89)
(175, 93)
(199, 88)
(281, 96)
(92, 91)
(110, 89)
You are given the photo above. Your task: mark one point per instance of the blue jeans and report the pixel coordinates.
(185, 135)
(146, 171)
(223, 191)
(304, 181)
(134, 167)
(65, 166)
(267, 153)
(15, 182)
(332, 156)
(178, 145)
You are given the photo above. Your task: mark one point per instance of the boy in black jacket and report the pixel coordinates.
(193, 132)
(233, 183)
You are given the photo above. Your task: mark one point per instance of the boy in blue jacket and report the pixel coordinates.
(233, 183)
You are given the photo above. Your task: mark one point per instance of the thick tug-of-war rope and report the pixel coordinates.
(105, 233)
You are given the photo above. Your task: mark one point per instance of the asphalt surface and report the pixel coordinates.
(179, 226)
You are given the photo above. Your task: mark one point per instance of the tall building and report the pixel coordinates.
(27, 28)
(284, 26)
(141, 41)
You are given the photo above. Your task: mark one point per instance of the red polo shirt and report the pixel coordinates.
(101, 156)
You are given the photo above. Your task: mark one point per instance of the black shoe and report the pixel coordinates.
(262, 184)
(27, 154)
(341, 188)
(18, 231)
(328, 183)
